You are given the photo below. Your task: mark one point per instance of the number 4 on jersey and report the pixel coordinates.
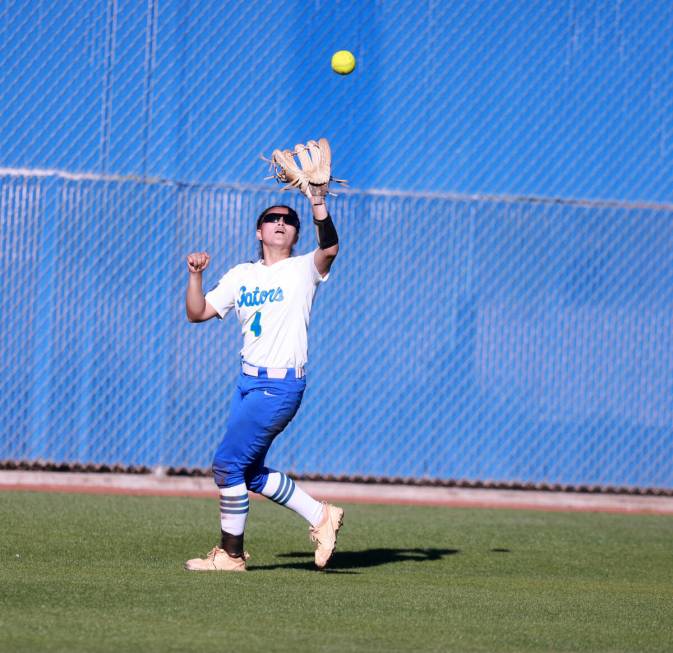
(256, 326)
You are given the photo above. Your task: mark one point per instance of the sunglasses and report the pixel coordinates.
(289, 220)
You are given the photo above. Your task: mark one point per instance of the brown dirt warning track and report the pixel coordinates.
(371, 493)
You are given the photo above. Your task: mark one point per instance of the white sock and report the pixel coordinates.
(234, 506)
(281, 489)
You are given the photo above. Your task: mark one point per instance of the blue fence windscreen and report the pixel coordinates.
(502, 305)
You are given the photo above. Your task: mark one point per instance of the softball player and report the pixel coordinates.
(272, 299)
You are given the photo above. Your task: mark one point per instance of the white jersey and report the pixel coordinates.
(273, 304)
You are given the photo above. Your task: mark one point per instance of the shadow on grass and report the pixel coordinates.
(347, 561)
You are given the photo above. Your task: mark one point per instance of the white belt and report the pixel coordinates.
(272, 372)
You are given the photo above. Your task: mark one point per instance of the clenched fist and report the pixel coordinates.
(198, 261)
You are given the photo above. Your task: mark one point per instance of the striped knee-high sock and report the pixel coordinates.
(284, 491)
(234, 507)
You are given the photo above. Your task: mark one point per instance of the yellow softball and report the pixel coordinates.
(343, 62)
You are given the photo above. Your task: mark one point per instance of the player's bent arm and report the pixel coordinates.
(198, 309)
(328, 240)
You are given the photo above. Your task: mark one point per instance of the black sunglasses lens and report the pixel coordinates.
(275, 217)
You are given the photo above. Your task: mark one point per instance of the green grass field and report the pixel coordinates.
(104, 573)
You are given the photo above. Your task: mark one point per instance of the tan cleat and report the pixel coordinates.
(325, 534)
(217, 560)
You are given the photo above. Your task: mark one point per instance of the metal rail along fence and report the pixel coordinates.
(483, 339)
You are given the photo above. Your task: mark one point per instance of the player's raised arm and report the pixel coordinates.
(328, 240)
(312, 176)
(198, 309)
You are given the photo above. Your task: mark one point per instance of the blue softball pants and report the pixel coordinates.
(260, 409)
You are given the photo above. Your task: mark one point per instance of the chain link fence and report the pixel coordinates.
(470, 329)
(456, 338)
(559, 99)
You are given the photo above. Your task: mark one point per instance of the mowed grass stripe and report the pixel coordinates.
(104, 573)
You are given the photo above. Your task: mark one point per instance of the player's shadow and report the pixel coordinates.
(351, 561)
